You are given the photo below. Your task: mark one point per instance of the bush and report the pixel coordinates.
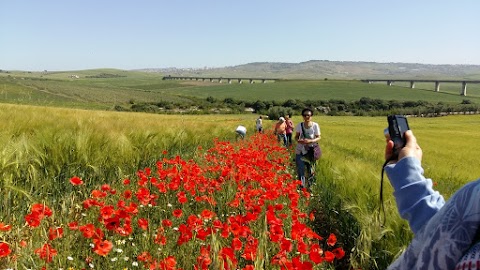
(278, 111)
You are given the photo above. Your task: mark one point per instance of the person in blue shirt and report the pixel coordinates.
(446, 234)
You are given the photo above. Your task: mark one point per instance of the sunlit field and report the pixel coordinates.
(89, 92)
(86, 173)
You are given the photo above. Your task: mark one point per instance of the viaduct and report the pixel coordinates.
(219, 79)
(390, 82)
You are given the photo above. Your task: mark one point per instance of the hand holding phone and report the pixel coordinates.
(397, 126)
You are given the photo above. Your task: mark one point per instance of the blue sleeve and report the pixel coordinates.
(416, 200)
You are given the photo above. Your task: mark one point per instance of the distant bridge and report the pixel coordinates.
(463, 91)
(219, 79)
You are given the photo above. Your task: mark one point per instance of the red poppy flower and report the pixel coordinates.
(182, 198)
(177, 213)
(329, 256)
(144, 257)
(5, 227)
(87, 230)
(127, 194)
(315, 254)
(73, 225)
(54, 233)
(332, 240)
(167, 223)
(102, 247)
(302, 247)
(339, 253)
(298, 264)
(143, 224)
(286, 245)
(204, 259)
(168, 263)
(33, 220)
(207, 214)
(4, 250)
(46, 253)
(98, 193)
(23, 243)
(105, 187)
(185, 234)
(41, 209)
(236, 244)
(76, 181)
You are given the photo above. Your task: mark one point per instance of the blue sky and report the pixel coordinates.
(72, 35)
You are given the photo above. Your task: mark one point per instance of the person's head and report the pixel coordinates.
(281, 119)
(260, 117)
(307, 114)
(287, 116)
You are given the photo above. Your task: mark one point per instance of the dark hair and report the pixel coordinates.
(307, 110)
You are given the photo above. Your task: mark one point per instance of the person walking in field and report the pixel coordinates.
(259, 124)
(307, 133)
(446, 234)
(280, 131)
(289, 129)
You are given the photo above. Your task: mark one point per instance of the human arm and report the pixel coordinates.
(416, 200)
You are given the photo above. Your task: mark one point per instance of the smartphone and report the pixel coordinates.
(397, 126)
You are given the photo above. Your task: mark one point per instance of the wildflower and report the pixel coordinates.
(207, 214)
(167, 223)
(54, 233)
(23, 243)
(329, 256)
(76, 181)
(4, 250)
(339, 253)
(73, 225)
(5, 227)
(143, 223)
(177, 213)
(46, 252)
(102, 248)
(87, 230)
(332, 240)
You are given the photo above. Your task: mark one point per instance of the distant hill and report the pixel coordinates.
(321, 69)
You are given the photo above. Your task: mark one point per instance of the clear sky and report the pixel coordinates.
(132, 34)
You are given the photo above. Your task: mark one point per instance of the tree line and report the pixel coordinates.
(273, 109)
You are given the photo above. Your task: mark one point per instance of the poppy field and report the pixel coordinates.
(110, 190)
(233, 205)
(238, 208)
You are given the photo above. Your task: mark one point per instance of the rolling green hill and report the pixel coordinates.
(106, 88)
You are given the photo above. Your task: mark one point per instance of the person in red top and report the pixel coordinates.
(289, 130)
